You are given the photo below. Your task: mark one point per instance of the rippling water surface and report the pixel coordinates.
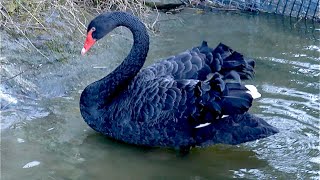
(44, 137)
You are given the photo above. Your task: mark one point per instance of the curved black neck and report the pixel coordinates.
(105, 89)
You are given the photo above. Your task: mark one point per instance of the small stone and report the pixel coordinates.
(31, 164)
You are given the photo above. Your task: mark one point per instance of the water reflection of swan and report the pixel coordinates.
(125, 161)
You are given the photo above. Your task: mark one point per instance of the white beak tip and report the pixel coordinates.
(83, 51)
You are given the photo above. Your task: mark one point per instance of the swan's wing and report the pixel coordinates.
(152, 96)
(192, 86)
(195, 101)
(226, 61)
(203, 60)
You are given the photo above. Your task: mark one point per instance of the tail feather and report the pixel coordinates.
(235, 104)
(236, 99)
(235, 129)
(231, 60)
(233, 75)
(234, 61)
(215, 98)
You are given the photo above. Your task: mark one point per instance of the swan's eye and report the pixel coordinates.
(93, 29)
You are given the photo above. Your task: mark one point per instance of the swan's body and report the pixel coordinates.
(192, 99)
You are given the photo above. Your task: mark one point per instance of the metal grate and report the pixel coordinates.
(295, 8)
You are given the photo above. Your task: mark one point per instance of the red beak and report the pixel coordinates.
(88, 43)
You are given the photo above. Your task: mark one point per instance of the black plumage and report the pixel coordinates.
(164, 104)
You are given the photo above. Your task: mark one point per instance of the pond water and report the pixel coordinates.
(41, 123)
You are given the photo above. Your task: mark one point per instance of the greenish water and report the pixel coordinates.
(41, 122)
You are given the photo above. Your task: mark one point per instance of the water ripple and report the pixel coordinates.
(307, 68)
(311, 98)
(296, 145)
(298, 105)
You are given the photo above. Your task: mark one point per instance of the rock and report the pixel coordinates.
(31, 164)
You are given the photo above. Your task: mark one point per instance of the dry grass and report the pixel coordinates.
(26, 19)
(23, 15)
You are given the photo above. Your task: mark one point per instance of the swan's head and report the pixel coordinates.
(97, 29)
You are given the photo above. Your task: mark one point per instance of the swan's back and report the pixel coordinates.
(200, 61)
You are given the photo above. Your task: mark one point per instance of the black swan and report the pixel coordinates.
(195, 98)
